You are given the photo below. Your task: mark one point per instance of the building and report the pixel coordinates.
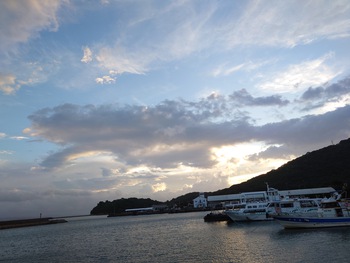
(200, 201)
(273, 195)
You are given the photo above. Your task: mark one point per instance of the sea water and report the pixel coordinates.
(171, 238)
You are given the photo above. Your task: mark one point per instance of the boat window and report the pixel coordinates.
(236, 207)
(329, 205)
(307, 203)
(286, 204)
(252, 206)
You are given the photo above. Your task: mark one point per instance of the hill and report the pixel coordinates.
(119, 206)
(329, 166)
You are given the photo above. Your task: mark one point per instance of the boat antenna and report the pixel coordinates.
(267, 185)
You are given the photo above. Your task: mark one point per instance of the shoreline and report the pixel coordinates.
(30, 222)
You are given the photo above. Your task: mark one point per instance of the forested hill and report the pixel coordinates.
(118, 206)
(329, 166)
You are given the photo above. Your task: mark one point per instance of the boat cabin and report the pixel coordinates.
(288, 206)
(331, 207)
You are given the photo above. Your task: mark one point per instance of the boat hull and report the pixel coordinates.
(248, 216)
(312, 222)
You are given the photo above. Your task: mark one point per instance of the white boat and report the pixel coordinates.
(331, 213)
(267, 210)
(248, 212)
(295, 207)
(261, 206)
(252, 206)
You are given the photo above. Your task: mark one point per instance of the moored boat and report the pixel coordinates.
(331, 213)
(261, 206)
(253, 206)
(294, 206)
(248, 212)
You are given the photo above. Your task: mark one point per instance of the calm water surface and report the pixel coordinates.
(171, 238)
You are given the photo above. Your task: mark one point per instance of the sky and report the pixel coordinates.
(102, 100)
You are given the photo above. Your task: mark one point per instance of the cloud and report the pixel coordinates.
(15, 195)
(31, 203)
(137, 133)
(19, 138)
(288, 23)
(301, 76)
(119, 59)
(173, 133)
(105, 80)
(327, 92)
(309, 130)
(243, 98)
(8, 84)
(155, 34)
(159, 187)
(87, 55)
(226, 69)
(24, 20)
(24, 74)
(325, 98)
(106, 172)
(27, 64)
(6, 152)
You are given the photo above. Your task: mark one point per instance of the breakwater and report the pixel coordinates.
(29, 222)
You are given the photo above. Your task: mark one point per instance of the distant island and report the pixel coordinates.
(326, 167)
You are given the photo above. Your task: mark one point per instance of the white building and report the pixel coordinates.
(200, 201)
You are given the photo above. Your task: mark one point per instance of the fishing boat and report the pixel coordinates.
(331, 213)
(248, 212)
(294, 206)
(261, 206)
(252, 206)
(267, 210)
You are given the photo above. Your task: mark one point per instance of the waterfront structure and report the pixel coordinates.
(200, 201)
(256, 206)
(230, 200)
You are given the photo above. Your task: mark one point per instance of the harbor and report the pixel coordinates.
(300, 208)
